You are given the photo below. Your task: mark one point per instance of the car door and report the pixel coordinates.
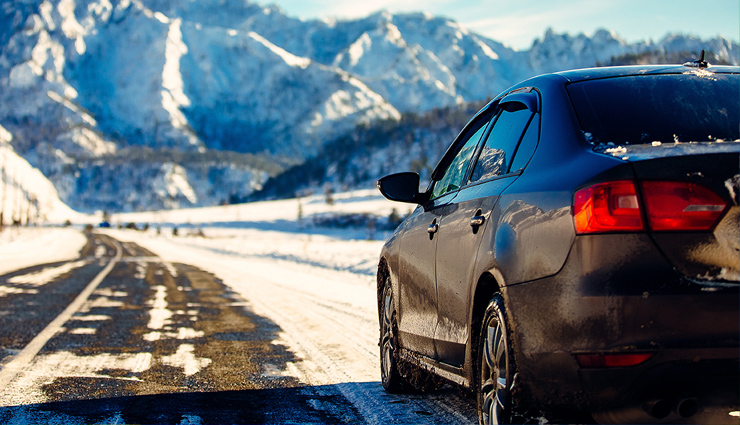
(417, 315)
(498, 164)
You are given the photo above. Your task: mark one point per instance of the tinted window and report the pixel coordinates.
(455, 172)
(495, 157)
(690, 107)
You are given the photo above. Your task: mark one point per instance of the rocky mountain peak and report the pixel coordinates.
(83, 80)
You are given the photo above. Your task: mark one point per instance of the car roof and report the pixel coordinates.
(624, 71)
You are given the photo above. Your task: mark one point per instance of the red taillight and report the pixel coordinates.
(669, 206)
(611, 360)
(681, 206)
(608, 207)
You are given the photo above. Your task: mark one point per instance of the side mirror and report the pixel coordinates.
(401, 187)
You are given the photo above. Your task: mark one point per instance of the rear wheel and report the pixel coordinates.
(392, 380)
(495, 367)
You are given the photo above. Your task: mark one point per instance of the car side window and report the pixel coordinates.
(455, 173)
(497, 153)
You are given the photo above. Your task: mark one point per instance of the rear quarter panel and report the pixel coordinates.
(531, 229)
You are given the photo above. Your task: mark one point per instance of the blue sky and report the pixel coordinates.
(517, 23)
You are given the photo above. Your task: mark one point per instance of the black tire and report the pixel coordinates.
(495, 366)
(390, 377)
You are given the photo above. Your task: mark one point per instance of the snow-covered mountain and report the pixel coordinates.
(26, 195)
(83, 83)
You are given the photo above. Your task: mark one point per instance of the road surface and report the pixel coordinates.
(122, 335)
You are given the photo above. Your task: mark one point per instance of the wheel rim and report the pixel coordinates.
(494, 374)
(387, 341)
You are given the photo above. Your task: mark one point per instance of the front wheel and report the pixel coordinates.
(495, 366)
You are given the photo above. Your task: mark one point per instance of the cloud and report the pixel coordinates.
(343, 9)
(519, 27)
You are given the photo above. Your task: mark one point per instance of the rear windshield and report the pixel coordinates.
(697, 106)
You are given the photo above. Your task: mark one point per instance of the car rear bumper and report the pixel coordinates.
(618, 294)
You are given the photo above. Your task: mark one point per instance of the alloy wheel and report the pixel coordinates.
(496, 366)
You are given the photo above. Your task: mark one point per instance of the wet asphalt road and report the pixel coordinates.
(154, 342)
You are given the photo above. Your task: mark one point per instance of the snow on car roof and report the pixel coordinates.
(622, 71)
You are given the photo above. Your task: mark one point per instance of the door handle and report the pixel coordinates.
(433, 228)
(477, 220)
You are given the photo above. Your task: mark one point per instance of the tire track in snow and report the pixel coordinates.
(327, 361)
(442, 408)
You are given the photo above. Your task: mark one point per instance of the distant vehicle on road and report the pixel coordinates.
(576, 252)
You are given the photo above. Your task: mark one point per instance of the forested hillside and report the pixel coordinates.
(358, 159)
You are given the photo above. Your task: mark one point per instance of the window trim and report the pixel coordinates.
(453, 148)
(457, 144)
(533, 100)
(508, 172)
(494, 178)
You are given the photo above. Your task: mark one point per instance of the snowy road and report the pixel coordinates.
(207, 332)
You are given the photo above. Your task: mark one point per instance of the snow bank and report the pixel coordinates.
(22, 247)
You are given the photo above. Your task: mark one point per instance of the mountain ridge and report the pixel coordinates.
(81, 80)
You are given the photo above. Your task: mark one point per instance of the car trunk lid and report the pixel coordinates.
(711, 256)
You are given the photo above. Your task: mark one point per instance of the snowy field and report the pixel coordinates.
(299, 231)
(282, 233)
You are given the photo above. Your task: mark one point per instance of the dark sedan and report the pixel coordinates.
(576, 252)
